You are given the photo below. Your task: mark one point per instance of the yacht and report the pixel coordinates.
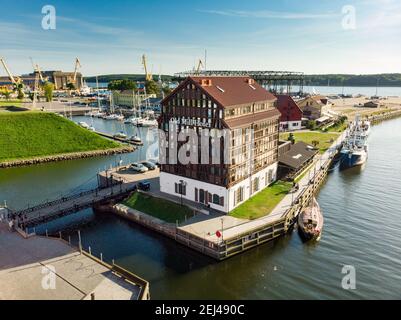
(135, 139)
(120, 135)
(83, 124)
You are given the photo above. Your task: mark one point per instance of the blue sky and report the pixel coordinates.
(111, 36)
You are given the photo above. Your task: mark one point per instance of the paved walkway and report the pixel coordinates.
(24, 264)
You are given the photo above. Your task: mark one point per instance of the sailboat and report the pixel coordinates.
(310, 222)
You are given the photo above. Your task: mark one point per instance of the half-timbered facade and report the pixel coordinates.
(248, 154)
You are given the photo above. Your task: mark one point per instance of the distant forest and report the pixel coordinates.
(351, 80)
(134, 77)
(334, 80)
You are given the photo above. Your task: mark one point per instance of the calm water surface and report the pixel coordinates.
(362, 210)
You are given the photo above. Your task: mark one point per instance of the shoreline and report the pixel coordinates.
(66, 156)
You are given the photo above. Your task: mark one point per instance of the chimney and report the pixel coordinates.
(250, 81)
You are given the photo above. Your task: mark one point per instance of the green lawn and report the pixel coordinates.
(14, 103)
(32, 134)
(159, 208)
(263, 202)
(338, 127)
(325, 139)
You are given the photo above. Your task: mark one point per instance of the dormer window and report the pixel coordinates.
(206, 82)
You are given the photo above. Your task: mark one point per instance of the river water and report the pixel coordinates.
(362, 210)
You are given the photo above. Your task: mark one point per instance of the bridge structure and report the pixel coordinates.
(274, 81)
(51, 210)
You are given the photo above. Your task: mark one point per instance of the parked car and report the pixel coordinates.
(155, 162)
(144, 185)
(149, 165)
(138, 167)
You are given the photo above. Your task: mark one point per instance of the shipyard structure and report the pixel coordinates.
(237, 105)
(59, 78)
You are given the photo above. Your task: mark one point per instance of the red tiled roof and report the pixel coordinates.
(288, 108)
(249, 119)
(229, 91)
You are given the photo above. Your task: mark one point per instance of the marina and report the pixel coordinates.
(270, 262)
(178, 153)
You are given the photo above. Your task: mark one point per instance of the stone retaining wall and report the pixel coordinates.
(67, 156)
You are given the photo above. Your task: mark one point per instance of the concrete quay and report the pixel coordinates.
(41, 268)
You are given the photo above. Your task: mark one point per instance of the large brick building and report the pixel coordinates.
(239, 106)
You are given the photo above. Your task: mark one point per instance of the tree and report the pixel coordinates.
(121, 85)
(31, 96)
(311, 125)
(315, 143)
(291, 138)
(6, 93)
(48, 88)
(152, 87)
(70, 86)
(167, 90)
(19, 87)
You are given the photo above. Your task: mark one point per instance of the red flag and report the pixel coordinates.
(218, 234)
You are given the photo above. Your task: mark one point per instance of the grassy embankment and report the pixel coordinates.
(26, 135)
(11, 105)
(325, 140)
(263, 203)
(159, 208)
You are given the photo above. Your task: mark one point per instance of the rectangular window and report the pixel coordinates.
(181, 189)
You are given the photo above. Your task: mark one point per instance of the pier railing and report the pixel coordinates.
(142, 284)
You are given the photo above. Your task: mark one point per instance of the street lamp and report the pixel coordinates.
(182, 185)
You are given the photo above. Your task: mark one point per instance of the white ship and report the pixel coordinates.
(355, 148)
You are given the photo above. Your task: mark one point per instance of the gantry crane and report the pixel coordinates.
(148, 76)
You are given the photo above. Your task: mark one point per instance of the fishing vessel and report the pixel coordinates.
(355, 148)
(310, 222)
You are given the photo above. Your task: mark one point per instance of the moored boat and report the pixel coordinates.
(83, 124)
(120, 135)
(355, 148)
(310, 222)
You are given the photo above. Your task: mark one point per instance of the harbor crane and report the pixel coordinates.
(198, 68)
(14, 80)
(148, 76)
(77, 67)
(38, 71)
